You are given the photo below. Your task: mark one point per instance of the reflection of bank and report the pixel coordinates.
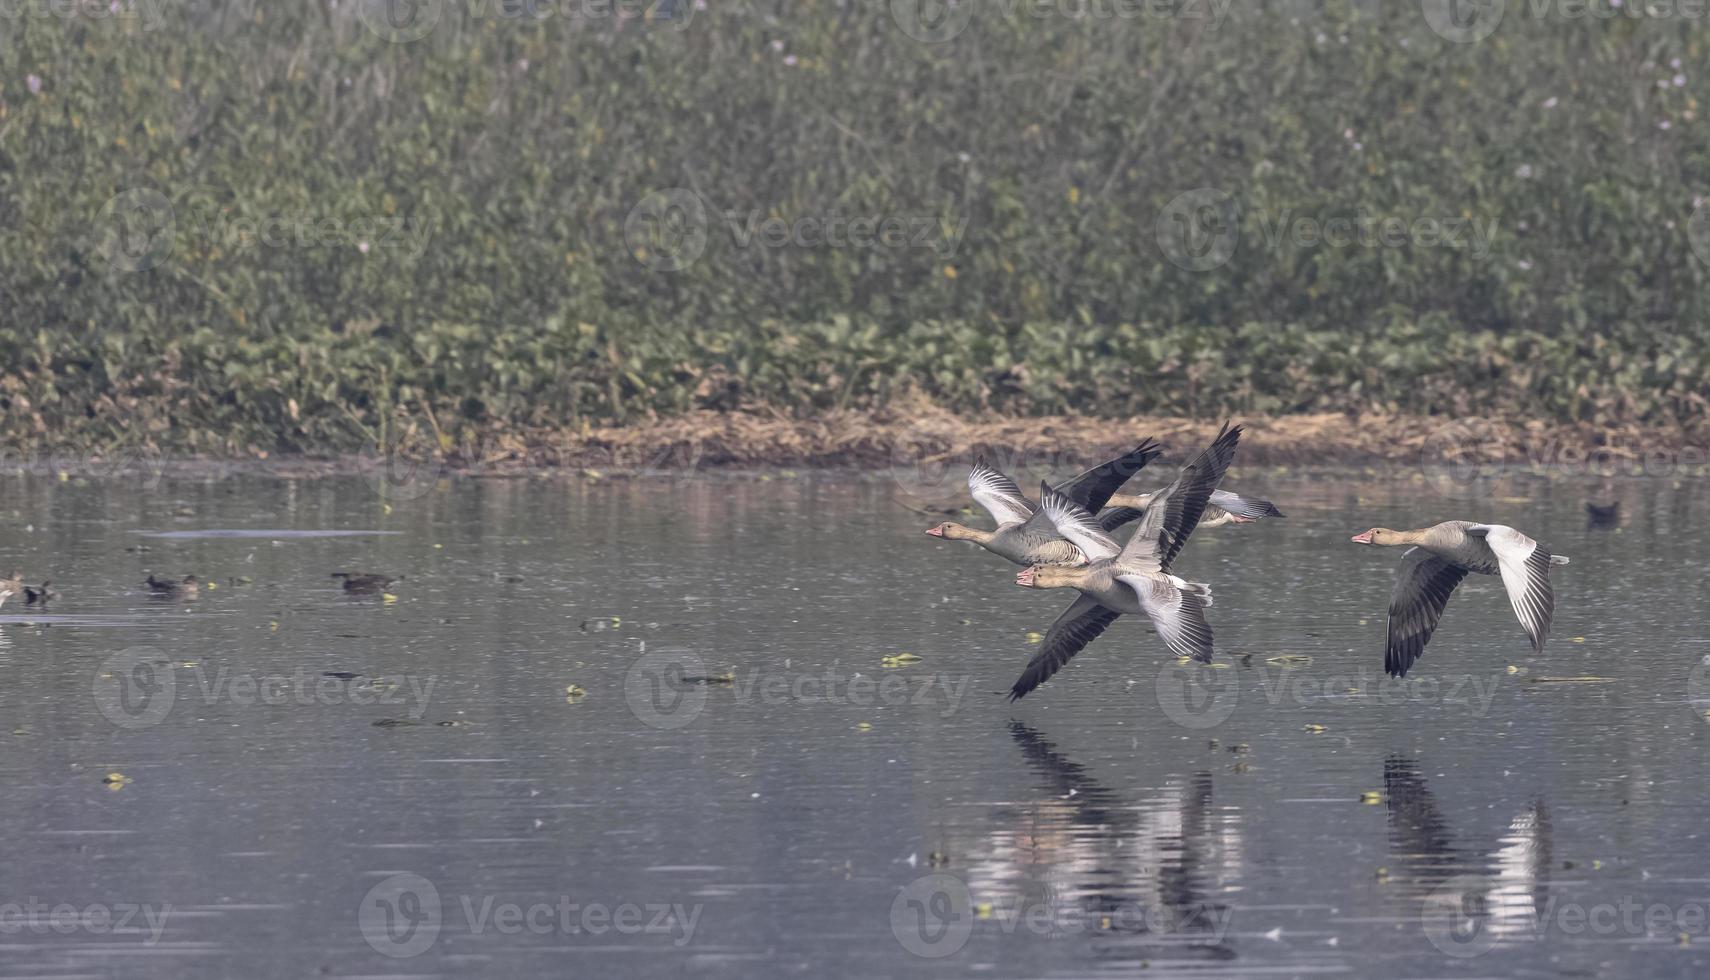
(1472, 897)
(1131, 876)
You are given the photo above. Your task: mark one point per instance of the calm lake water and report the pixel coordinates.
(203, 789)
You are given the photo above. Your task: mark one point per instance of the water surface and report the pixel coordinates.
(497, 770)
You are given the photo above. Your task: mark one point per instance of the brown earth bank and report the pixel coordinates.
(925, 438)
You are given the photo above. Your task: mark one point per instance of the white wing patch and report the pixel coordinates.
(1525, 568)
(1179, 617)
(1080, 528)
(998, 494)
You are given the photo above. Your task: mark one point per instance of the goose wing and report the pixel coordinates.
(998, 494)
(1246, 508)
(1525, 567)
(1174, 511)
(1094, 487)
(1079, 527)
(1179, 617)
(1079, 625)
(1423, 585)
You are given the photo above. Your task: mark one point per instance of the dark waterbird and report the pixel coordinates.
(1601, 517)
(185, 588)
(39, 596)
(365, 582)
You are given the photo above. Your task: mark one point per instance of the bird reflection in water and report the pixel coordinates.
(1502, 890)
(1134, 878)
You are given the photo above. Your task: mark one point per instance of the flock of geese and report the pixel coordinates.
(1066, 541)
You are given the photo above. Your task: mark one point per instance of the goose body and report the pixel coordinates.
(1225, 507)
(1438, 558)
(1130, 579)
(1024, 535)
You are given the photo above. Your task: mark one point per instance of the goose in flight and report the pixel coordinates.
(1438, 558)
(1134, 578)
(1024, 534)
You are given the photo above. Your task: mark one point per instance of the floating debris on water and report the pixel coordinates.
(1034, 637)
(602, 623)
(862, 726)
(1587, 679)
(116, 780)
(725, 678)
(1289, 660)
(1370, 797)
(901, 660)
(395, 723)
(1314, 728)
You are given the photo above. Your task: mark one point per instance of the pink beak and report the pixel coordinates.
(1025, 577)
(936, 532)
(1364, 537)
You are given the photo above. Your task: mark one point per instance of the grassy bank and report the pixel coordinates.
(233, 228)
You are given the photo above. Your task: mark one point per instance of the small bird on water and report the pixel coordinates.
(34, 596)
(185, 588)
(365, 582)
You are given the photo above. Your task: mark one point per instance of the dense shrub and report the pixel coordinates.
(232, 225)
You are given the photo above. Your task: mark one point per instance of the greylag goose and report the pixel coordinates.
(186, 588)
(365, 583)
(1024, 535)
(1134, 578)
(1438, 558)
(1226, 507)
(11, 586)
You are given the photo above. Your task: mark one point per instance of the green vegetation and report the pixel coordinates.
(316, 229)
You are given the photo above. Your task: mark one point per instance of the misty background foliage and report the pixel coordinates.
(236, 226)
